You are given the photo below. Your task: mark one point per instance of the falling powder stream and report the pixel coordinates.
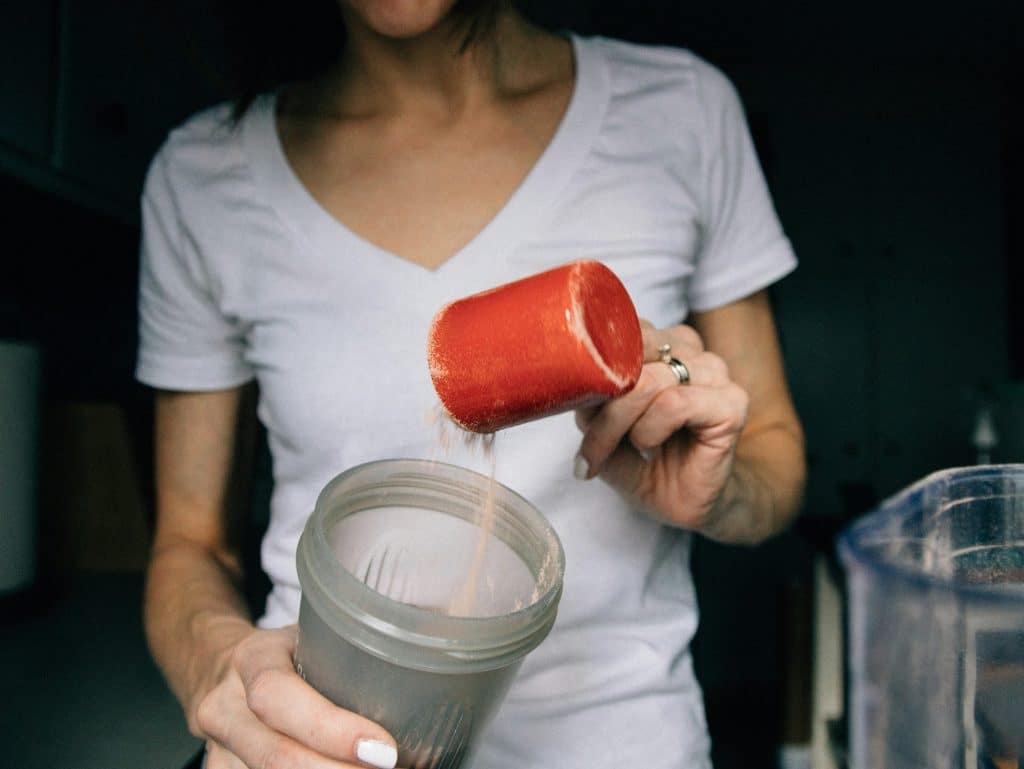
(464, 602)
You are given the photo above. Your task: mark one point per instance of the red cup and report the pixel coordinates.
(559, 340)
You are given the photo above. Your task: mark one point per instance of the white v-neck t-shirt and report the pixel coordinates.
(244, 275)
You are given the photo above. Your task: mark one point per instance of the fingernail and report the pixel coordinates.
(377, 753)
(646, 454)
(581, 468)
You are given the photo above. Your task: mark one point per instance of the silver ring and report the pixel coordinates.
(665, 353)
(679, 369)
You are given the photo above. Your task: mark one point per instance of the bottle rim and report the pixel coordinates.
(858, 543)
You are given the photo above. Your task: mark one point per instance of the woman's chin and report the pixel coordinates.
(401, 19)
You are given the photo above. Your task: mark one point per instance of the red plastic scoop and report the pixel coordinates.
(555, 341)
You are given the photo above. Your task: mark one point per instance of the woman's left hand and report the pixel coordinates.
(680, 439)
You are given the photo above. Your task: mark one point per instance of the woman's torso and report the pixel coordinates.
(334, 329)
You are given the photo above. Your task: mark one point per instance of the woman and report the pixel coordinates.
(308, 246)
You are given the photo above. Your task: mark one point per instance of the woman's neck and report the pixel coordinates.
(434, 72)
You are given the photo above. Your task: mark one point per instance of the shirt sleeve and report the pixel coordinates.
(185, 341)
(743, 248)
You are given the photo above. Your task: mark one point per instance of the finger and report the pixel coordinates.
(279, 697)
(715, 415)
(611, 423)
(605, 428)
(218, 757)
(682, 340)
(239, 734)
(585, 416)
(705, 369)
(629, 471)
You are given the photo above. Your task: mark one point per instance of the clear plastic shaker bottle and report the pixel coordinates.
(383, 562)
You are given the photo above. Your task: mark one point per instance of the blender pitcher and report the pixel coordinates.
(936, 623)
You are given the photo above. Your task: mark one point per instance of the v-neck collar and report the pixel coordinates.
(516, 219)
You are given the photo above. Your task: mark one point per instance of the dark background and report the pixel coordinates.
(892, 137)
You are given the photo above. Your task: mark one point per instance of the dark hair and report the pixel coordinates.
(269, 45)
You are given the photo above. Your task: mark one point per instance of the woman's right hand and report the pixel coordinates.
(260, 714)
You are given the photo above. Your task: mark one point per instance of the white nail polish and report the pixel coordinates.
(377, 753)
(581, 468)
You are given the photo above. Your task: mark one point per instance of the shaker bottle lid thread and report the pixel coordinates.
(558, 340)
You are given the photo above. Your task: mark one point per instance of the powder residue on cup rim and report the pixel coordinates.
(439, 374)
(576, 321)
(438, 370)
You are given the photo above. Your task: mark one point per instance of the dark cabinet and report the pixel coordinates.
(28, 37)
(91, 89)
(134, 70)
